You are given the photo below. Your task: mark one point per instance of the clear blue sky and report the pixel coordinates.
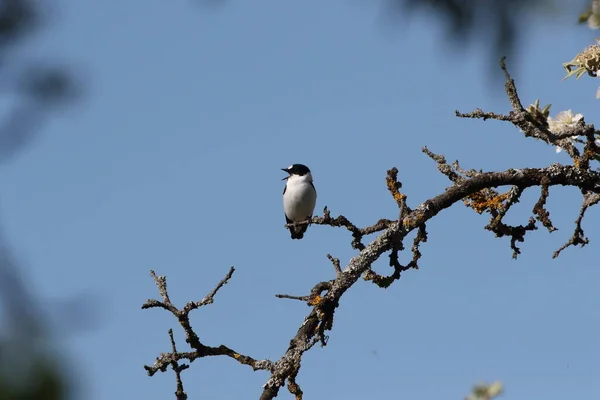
(173, 163)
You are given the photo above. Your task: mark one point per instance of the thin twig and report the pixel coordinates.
(200, 350)
(341, 221)
(179, 392)
(287, 296)
(578, 237)
(336, 264)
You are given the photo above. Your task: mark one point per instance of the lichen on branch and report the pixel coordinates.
(493, 193)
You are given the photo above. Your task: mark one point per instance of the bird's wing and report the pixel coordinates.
(284, 189)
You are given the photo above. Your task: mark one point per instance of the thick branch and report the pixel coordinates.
(325, 296)
(476, 188)
(523, 178)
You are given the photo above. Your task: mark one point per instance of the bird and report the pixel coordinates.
(299, 198)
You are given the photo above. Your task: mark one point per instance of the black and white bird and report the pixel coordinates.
(299, 198)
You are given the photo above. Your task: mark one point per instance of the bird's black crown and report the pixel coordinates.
(297, 169)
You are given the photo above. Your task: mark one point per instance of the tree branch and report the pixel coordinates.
(341, 221)
(538, 129)
(519, 178)
(200, 350)
(476, 189)
(320, 319)
(336, 264)
(578, 237)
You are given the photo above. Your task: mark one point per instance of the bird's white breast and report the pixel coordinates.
(299, 198)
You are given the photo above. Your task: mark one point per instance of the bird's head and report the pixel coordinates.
(297, 170)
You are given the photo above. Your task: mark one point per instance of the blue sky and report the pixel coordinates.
(173, 162)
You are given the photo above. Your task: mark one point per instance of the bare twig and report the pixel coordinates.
(578, 237)
(336, 264)
(443, 166)
(179, 392)
(531, 125)
(478, 113)
(341, 221)
(200, 350)
(394, 186)
(497, 225)
(420, 238)
(209, 298)
(511, 89)
(314, 298)
(287, 296)
(540, 211)
(386, 281)
(293, 387)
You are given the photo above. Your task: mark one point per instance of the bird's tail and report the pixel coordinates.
(297, 232)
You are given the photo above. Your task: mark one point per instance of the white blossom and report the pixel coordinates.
(564, 121)
(593, 21)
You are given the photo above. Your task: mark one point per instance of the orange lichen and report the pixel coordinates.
(480, 202)
(412, 222)
(236, 355)
(315, 301)
(294, 388)
(391, 185)
(399, 196)
(583, 162)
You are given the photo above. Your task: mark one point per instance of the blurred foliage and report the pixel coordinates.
(485, 391)
(34, 85)
(28, 368)
(499, 24)
(591, 15)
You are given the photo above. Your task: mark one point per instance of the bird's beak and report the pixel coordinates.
(286, 170)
